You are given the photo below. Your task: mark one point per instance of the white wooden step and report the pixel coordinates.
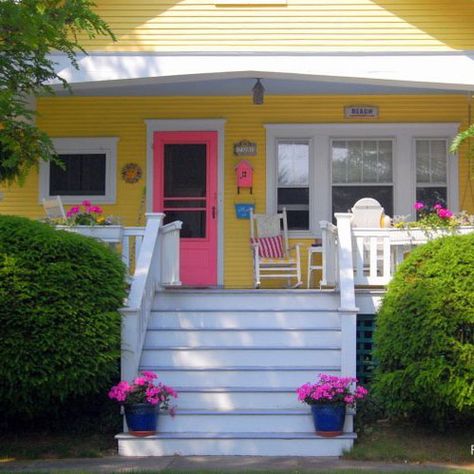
(254, 300)
(237, 398)
(245, 319)
(260, 356)
(239, 376)
(235, 421)
(242, 338)
(233, 444)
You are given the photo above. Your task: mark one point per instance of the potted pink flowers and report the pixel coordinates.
(142, 399)
(328, 398)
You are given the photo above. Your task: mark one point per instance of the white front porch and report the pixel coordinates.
(237, 356)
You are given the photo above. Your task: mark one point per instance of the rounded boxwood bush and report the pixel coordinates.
(425, 334)
(60, 328)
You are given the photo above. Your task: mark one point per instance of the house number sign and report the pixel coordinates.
(361, 111)
(245, 148)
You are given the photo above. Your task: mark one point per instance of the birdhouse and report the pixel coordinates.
(244, 175)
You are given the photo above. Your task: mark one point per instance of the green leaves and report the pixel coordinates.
(424, 336)
(462, 137)
(59, 295)
(29, 31)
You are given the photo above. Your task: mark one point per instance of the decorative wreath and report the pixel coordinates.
(132, 173)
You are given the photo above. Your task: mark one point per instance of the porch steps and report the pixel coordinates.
(236, 359)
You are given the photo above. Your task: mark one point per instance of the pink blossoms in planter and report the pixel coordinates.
(86, 213)
(144, 390)
(331, 390)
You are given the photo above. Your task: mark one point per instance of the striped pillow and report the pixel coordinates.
(269, 247)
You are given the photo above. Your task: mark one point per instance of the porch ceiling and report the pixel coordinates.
(241, 86)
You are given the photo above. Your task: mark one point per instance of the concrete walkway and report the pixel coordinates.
(213, 464)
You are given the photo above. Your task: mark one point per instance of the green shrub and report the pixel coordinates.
(425, 334)
(60, 328)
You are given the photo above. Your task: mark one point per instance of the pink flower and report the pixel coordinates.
(74, 210)
(96, 209)
(444, 213)
(149, 375)
(140, 381)
(418, 205)
(120, 391)
(86, 203)
(437, 206)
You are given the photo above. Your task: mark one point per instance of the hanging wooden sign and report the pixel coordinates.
(245, 148)
(361, 111)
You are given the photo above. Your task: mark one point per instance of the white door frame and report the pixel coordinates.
(192, 125)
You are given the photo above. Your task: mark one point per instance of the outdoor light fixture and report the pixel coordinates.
(258, 92)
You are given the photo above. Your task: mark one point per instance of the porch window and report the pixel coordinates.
(361, 168)
(89, 170)
(83, 175)
(431, 171)
(293, 182)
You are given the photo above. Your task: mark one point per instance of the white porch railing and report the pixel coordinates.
(329, 263)
(157, 265)
(170, 257)
(376, 252)
(132, 239)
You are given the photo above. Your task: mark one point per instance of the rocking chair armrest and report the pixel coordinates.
(295, 247)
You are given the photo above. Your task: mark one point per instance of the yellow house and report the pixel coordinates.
(329, 101)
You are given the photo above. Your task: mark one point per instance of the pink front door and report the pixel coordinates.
(185, 189)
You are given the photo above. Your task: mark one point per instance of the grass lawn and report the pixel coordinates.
(400, 443)
(381, 442)
(48, 446)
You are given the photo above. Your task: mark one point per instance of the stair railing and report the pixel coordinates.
(169, 243)
(347, 310)
(147, 279)
(329, 244)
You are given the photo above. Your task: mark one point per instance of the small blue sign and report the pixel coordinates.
(242, 211)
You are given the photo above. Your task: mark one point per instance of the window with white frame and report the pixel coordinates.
(395, 163)
(361, 168)
(293, 182)
(88, 171)
(431, 171)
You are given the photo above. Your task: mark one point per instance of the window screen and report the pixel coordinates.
(83, 175)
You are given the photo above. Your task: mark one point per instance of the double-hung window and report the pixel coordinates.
(315, 170)
(431, 171)
(293, 182)
(361, 168)
(88, 170)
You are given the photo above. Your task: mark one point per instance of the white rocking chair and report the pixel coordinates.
(54, 208)
(271, 250)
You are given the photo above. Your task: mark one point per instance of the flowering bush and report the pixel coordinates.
(331, 390)
(144, 390)
(87, 214)
(434, 217)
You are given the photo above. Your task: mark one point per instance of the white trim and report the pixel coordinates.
(448, 71)
(107, 145)
(253, 3)
(404, 176)
(201, 125)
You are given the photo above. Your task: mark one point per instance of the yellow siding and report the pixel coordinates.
(124, 117)
(301, 25)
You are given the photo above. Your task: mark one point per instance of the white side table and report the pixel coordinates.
(314, 249)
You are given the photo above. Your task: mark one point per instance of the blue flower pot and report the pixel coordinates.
(142, 418)
(328, 419)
